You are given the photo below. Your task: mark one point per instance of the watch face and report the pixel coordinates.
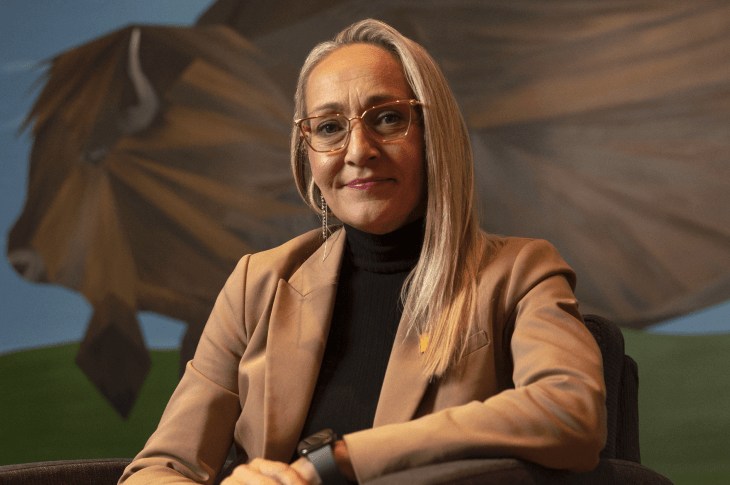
(315, 442)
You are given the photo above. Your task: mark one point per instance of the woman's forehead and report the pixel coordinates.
(358, 74)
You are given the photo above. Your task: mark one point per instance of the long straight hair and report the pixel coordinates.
(439, 294)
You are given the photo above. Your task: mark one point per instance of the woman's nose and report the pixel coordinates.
(360, 147)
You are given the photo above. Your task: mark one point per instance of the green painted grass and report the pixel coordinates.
(684, 405)
(50, 411)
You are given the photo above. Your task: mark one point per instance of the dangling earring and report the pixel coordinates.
(323, 204)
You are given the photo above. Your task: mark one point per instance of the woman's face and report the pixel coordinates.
(373, 186)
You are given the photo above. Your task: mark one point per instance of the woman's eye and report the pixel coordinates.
(389, 118)
(329, 127)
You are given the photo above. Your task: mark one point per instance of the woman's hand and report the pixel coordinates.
(301, 472)
(267, 472)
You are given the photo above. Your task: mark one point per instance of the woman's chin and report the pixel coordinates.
(380, 222)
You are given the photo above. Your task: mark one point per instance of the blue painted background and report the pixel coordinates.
(34, 315)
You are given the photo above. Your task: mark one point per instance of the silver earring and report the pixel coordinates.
(323, 204)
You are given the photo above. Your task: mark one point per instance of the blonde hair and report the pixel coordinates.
(439, 294)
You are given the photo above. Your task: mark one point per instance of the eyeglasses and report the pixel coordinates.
(384, 122)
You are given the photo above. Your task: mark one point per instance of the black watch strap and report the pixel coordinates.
(318, 450)
(324, 462)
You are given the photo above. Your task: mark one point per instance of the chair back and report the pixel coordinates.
(622, 390)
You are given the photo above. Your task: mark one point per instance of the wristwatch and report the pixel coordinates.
(318, 450)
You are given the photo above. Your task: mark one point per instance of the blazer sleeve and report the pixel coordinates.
(195, 433)
(554, 416)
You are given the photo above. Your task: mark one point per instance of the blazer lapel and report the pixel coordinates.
(298, 329)
(405, 383)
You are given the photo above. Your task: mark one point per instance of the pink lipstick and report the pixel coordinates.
(362, 184)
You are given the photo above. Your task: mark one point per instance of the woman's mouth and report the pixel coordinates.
(364, 184)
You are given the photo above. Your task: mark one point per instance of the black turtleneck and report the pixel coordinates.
(364, 323)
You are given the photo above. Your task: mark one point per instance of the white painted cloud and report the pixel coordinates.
(12, 125)
(21, 66)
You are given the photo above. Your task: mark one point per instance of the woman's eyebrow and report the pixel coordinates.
(329, 108)
(374, 100)
(377, 99)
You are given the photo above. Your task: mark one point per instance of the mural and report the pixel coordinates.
(160, 153)
(149, 180)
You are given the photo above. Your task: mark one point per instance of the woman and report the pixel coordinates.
(410, 332)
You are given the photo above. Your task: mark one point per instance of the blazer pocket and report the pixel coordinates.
(476, 342)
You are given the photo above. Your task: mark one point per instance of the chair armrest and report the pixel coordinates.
(517, 472)
(105, 471)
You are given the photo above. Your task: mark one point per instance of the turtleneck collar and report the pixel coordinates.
(394, 252)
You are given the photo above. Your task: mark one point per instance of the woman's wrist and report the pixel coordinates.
(305, 468)
(342, 458)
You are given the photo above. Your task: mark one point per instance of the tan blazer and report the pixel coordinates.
(530, 385)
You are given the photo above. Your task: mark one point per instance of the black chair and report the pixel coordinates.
(622, 391)
(620, 460)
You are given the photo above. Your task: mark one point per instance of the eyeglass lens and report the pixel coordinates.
(386, 122)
